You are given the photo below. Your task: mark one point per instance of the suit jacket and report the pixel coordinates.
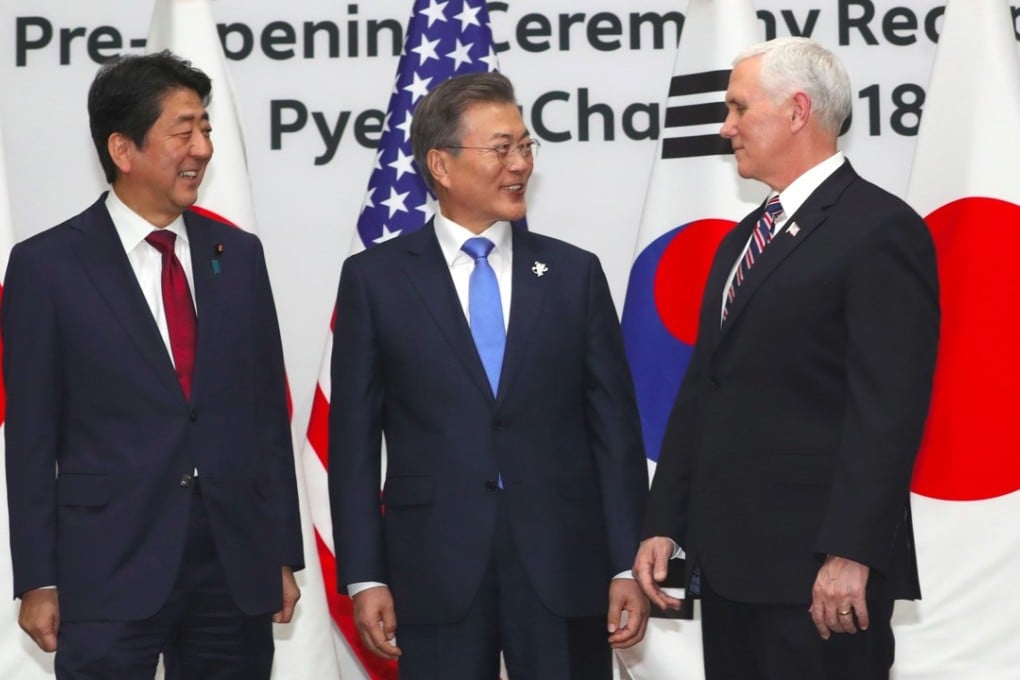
(92, 395)
(795, 430)
(563, 431)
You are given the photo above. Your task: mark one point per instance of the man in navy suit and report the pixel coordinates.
(150, 473)
(515, 475)
(785, 468)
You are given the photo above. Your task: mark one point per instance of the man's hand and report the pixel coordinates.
(40, 617)
(291, 594)
(837, 598)
(625, 596)
(377, 621)
(650, 568)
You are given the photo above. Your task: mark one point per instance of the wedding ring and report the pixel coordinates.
(843, 612)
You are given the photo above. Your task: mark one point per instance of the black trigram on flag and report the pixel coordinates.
(696, 100)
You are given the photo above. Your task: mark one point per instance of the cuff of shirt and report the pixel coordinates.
(355, 588)
(678, 552)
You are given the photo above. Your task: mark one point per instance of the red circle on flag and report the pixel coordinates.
(971, 445)
(682, 273)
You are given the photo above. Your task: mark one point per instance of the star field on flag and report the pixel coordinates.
(443, 39)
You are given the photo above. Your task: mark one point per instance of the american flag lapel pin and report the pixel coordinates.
(793, 229)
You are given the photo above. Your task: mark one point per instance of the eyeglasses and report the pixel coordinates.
(528, 150)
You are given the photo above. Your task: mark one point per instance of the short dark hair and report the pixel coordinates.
(126, 96)
(436, 121)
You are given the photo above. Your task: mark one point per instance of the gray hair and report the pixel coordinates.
(791, 64)
(437, 120)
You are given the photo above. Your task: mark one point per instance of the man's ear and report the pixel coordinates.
(436, 161)
(121, 150)
(800, 111)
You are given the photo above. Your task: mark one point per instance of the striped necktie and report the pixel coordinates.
(760, 237)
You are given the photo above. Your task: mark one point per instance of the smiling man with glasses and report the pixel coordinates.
(492, 360)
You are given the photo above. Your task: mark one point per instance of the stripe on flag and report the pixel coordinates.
(694, 197)
(688, 110)
(443, 39)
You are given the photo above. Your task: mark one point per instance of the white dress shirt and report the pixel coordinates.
(146, 261)
(452, 236)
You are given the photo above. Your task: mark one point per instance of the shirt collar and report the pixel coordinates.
(132, 228)
(793, 196)
(452, 236)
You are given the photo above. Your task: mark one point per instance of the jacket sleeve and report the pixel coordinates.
(274, 417)
(32, 369)
(613, 425)
(892, 321)
(355, 435)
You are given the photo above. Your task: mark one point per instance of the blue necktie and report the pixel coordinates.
(485, 310)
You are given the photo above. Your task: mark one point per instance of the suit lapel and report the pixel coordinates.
(430, 276)
(525, 303)
(206, 280)
(102, 256)
(808, 218)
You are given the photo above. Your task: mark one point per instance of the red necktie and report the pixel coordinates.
(179, 309)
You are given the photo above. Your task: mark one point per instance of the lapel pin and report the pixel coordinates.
(793, 229)
(217, 251)
(539, 268)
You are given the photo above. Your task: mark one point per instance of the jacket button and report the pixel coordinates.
(491, 485)
(193, 416)
(716, 382)
(186, 481)
(497, 426)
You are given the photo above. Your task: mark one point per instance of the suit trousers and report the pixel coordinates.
(506, 616)
(200, 631)
(750, 641)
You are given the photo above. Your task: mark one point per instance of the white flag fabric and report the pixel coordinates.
(694, 197)
(187, 28)
(19, 657)
(305, 647)
(965, 182)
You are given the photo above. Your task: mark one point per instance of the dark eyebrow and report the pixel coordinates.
(190, 117)
(509, 137)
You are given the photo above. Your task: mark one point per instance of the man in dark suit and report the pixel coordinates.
(171, 525)
(785, 469)
(515, 476)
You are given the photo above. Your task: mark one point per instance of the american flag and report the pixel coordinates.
(443, 39)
